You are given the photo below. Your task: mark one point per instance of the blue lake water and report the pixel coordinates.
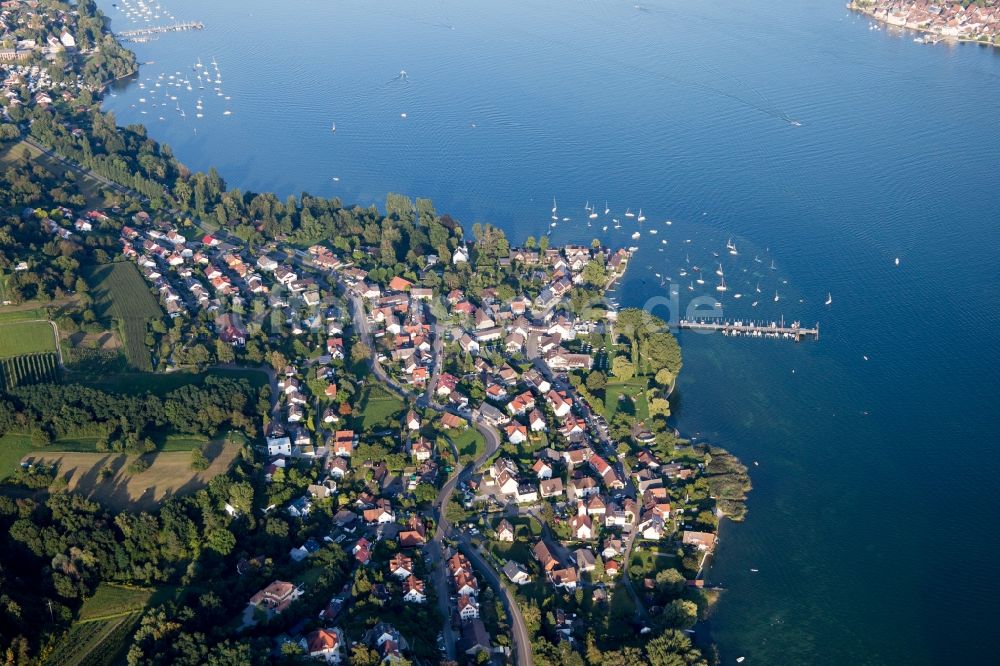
(872, 520)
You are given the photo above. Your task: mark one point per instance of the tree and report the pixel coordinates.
(680, 614)
(664, 378)
(360, 352)
(659, 406)
(277, 361)
(594, 273)
(221, 541)
(223, 352)
(425, 492)
(198, 460)
(671, 582)
(622, 368)
(596, 381)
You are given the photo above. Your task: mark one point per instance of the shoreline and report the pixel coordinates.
(871, 12)
(702, 628)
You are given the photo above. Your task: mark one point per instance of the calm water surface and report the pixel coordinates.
(872, 521)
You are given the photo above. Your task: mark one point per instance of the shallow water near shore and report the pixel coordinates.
(871, 516)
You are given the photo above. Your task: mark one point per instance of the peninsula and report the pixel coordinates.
(236, 429)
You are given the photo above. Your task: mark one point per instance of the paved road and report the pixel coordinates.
(522, 644)
(518, 629)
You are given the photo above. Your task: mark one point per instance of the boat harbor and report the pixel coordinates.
(140, 33)
(752, 329)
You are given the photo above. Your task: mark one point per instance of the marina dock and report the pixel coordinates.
(794, 331)
(140, 33)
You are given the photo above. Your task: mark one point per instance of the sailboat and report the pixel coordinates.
(333, 128)
(641, 218)
(829, 298)
(776, 298)
(629, 213)
(732, 249)
(722, 285)
(554, 209)
(691, 287)
(606, 209)
(593, 213)
(758, 286)
(773, 268)
(618, 225)
(718, 271)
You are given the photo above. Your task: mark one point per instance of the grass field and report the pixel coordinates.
(379, 408)
(110, 600)
(26, 337)
(470, 444)
(635, 388)
(121, 293)
(170, 474)
(22, 314)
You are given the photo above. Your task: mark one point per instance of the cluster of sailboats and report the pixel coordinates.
(143, 11)
(592, 214)
(695, 274)
(167, 88)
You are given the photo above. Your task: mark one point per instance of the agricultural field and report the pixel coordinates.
(106, 624)
(120, 293)
(96, 642)
(169, 474)
(28, 369)
(26, 337)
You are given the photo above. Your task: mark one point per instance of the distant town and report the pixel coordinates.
(974, 22)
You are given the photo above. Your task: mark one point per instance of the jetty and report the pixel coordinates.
(140, 33)
(753, 329)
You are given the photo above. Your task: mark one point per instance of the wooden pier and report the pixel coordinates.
(752, 329)
(159, 29)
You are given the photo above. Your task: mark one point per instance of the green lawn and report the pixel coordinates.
(380, 409)
(109, 600)
(26, 337)
(12, 449)
(23, 315)
(652, 559)
(181, 442)
(470, 444)
(633, 387)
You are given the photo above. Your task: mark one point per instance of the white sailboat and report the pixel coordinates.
(829, 298)
(641, 218)
(333, 128)
(606, 209)
(722, 285)
(776, 297)
(629, 213)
